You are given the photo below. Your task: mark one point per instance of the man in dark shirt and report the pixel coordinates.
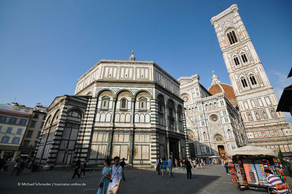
(76, 168)
(189, 169)
(122, 164)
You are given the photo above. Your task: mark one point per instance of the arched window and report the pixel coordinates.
(179, 113)
(142, 103)
(257, 116)
(244, 83)
(253, 80)
(161, 105)
(124, 103)
(105, 102)
(15, 140)
(56, 117)
(273, 113)
(232, 37)
(205, 135)
(244, 58)
(236, 61)
(5, 139)
(74, 113)
(229, 133)
(48, 121)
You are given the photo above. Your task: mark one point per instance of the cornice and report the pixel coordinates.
(227, 11)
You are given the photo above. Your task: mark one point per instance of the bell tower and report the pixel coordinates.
(255, 96)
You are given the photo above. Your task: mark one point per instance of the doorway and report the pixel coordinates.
(221, 151)
(192, 150)
(173, 149)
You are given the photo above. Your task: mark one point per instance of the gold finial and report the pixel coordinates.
(132, 52)
(213, 72)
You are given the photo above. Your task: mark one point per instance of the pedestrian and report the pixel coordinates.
(22, 165)
(198, 163)
(163, 167)
(158, 164)
(183, 164)
(83, 167)
(201, 164)
(16, 168)
(273, 181)
(189, 169)
(106, 177)
(180, 162)
(76, 168)
(176, 163)
(123, 166)
(117, 174)
(226, 167)
(169, 163)
(194, 163)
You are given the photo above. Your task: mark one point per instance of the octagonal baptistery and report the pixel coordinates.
(133, 111)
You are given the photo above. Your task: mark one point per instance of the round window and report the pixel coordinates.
(213, 118)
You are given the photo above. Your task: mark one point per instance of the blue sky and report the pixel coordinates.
(45, 46)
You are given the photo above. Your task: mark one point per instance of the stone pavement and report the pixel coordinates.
(211, 180)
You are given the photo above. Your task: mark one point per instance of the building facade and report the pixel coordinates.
(130, 109)
(14, 119)
(213, 123)
(33, 132)
(254, 94)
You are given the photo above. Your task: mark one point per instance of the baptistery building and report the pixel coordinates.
(125, 108)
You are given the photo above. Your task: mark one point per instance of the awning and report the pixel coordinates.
(285, 100)
(252, 150)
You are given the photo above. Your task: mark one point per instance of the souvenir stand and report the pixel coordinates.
(247, 166)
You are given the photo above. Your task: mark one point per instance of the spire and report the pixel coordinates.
(215, 79)
(132, 57)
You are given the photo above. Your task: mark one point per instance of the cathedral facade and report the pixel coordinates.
(255, 96)
(213, 123)
(131, 109)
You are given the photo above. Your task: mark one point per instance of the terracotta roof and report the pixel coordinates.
(218, 88)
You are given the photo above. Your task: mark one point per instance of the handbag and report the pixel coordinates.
(100, 184)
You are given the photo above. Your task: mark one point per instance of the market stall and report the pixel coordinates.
(247, 166)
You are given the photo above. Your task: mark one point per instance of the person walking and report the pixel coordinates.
(158, 164)
(226, 167)
(176, 163)
(16, 168)
(22, 165)
(169, 163)
(83, 167)
(163, 167)
(106, 176)
(123, 166)
(76, 168)
(189, 169)
(117, 175)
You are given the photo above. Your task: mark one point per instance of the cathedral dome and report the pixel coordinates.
(218, 87)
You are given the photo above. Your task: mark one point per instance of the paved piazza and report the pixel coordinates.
(210, 180)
